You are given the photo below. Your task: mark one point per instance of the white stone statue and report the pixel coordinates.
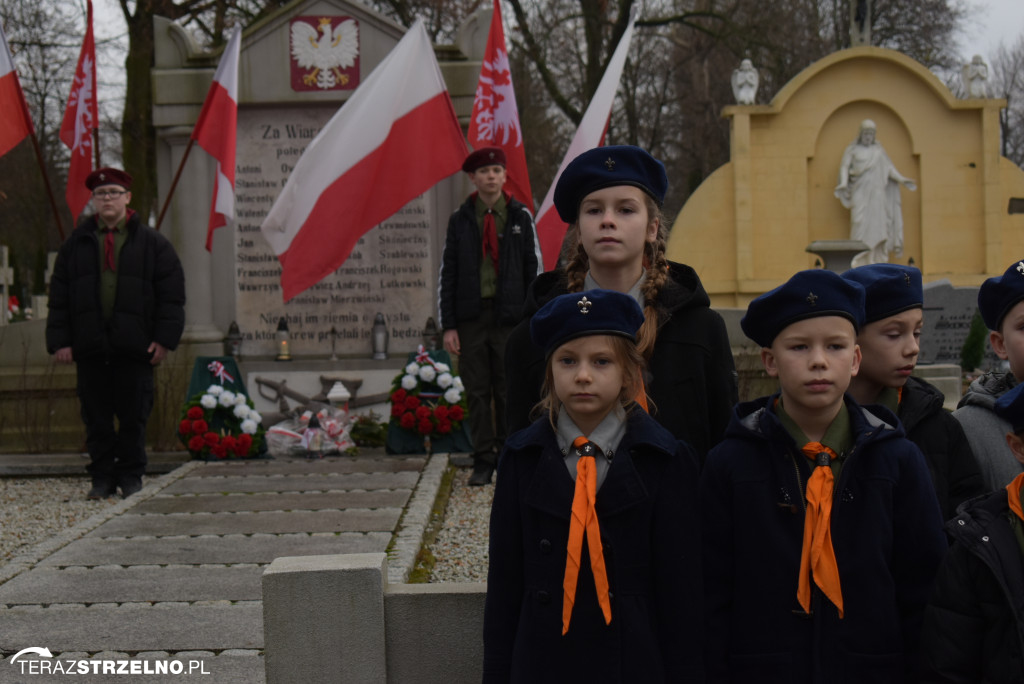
(975, 77)
(869, 186)
(744, 83)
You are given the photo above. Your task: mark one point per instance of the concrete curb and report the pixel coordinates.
(409, 535)
(26, 561)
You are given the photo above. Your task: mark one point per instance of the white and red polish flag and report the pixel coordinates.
(15, 122)
(495, 118)
(80, 120)
(393, 140)
(590, 134)
(216, 131)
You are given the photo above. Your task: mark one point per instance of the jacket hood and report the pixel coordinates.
(974, 516)
(986, 390)
(920, 400)
(753, 421)
(682, 291)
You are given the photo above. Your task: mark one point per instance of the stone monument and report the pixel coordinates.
(290, 84)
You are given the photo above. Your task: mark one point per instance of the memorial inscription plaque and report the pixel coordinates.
(391, 269)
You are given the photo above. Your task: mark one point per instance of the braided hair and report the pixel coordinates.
(657, 274)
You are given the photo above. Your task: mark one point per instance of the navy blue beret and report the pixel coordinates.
(604, 167)
(485, 156)
(998, 295)
(1010, 407)
(594, 312)
(808, 294)
(889, 289)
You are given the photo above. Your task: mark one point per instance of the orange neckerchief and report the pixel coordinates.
(1013, 495)
(584, 520)
(817, 557)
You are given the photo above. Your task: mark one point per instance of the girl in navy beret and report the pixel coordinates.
(611, 198)
(594, 567)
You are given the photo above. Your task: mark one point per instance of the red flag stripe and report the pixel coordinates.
(356, 196)
(216, 128)
(80, 120)
(15, 124)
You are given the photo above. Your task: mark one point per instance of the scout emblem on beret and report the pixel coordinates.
(610, 163)
(490, 156)
(103, 176)
(1020, 267)
(906, 278)
(812, 299)
(584, 305)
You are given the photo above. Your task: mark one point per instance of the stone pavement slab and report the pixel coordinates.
(293, 483)
(133, 627)
(177, 568)
(339, 465)
(270, 501)
(274, 522)
(235, 548)
(149, 583)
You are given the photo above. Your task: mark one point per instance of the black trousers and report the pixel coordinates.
(482, 368)
(121, 390)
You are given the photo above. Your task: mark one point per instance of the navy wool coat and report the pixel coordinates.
(888, 539)
(647, 509)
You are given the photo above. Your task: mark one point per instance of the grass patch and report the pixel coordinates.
(425, 558)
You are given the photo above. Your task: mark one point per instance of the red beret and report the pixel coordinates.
(485, 156)
(108, 176)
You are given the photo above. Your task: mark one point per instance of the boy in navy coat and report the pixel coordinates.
(821, 529)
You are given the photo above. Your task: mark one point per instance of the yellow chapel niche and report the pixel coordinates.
(746, 228)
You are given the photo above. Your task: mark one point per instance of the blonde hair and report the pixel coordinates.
(657, 274)
(626, 353)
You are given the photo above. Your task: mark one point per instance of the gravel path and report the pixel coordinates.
(461, 546)
(33, 509)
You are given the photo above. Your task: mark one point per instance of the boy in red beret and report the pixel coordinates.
(117, 306)
(491, 255)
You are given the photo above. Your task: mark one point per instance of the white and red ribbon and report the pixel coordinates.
(220, 372)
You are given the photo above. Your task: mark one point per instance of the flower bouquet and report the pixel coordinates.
(221, 424)
(428, 407)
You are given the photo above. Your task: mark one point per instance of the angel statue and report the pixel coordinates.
(327, 54)
(744, 83)
(975, 76)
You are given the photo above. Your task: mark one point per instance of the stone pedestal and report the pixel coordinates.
(837, 254)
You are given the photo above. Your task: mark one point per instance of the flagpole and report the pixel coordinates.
(46, 181)
(174, 184)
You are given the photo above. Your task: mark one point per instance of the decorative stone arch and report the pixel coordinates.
(746, 228)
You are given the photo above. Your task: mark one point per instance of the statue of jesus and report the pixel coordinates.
(869, 186)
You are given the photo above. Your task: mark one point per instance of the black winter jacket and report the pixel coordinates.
(888, 539)
(974, 625)
(647, 510)
(955, 472)
(458, 297)
(690, 377)
(149, 305)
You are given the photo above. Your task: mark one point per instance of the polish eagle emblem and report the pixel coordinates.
(325, 52)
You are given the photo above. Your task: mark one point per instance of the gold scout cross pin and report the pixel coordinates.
(584, 305)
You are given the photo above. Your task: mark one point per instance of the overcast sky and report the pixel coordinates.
(994, 21)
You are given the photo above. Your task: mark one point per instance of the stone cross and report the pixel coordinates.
(6, 281)
(860, 23)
